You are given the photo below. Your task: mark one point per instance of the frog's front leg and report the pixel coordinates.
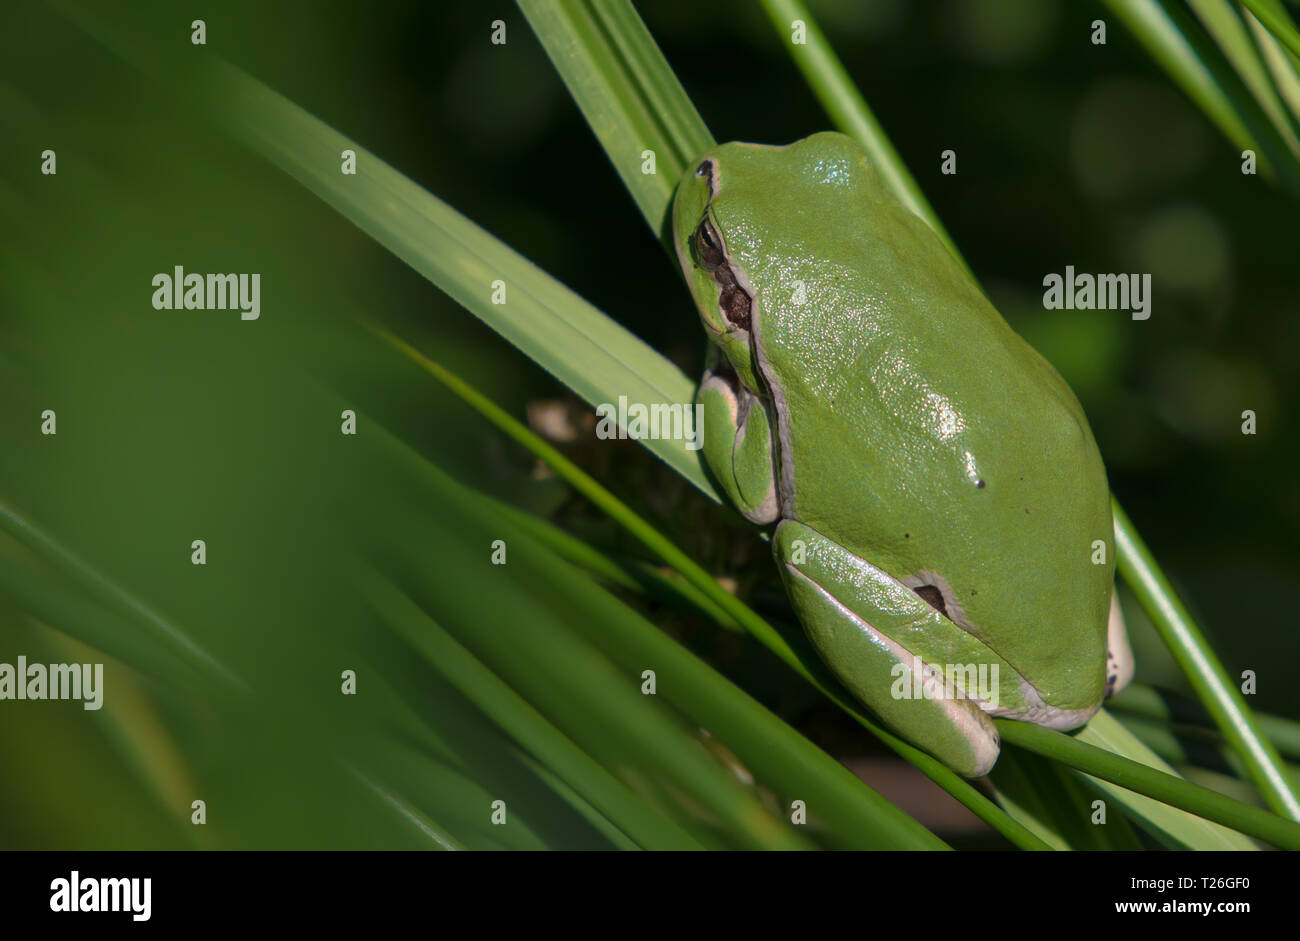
(738, 441)
(855, 613)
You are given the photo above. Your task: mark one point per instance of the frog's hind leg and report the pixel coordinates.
(863, 622)
(1119, 655)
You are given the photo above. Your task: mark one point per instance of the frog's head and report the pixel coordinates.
(722, 291)
(740, 206)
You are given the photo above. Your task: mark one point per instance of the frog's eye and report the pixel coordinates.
(708, 246)
(732, 299)
(705, 169)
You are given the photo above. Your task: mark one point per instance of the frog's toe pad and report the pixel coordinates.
(1119, 655)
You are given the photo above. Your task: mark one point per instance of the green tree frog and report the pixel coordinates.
(939, 502)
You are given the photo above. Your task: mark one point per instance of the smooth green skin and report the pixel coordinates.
(900, 434)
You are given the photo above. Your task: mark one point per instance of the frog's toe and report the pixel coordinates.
(1119, 655)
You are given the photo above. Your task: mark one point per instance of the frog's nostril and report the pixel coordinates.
(932, 596)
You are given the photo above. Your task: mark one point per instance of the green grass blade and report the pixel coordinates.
(830, 82)
(1273, 16)
(429, 828)
(1202, 668)
(111, 594)
(1283, 64)
(555, 751)
(1157, 782)
(630, 97)
(1220, 19)
(1191, 60)
(1166, 707)
(587, 351)
(1054, 804)
(1175, 828)
(1199, 750)
(664, 584)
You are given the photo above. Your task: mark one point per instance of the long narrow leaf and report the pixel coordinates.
(1203, 670)
(1192, 62)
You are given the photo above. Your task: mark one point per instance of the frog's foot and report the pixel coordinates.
(1031, 707)
(863, 622)
(1119, 655)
